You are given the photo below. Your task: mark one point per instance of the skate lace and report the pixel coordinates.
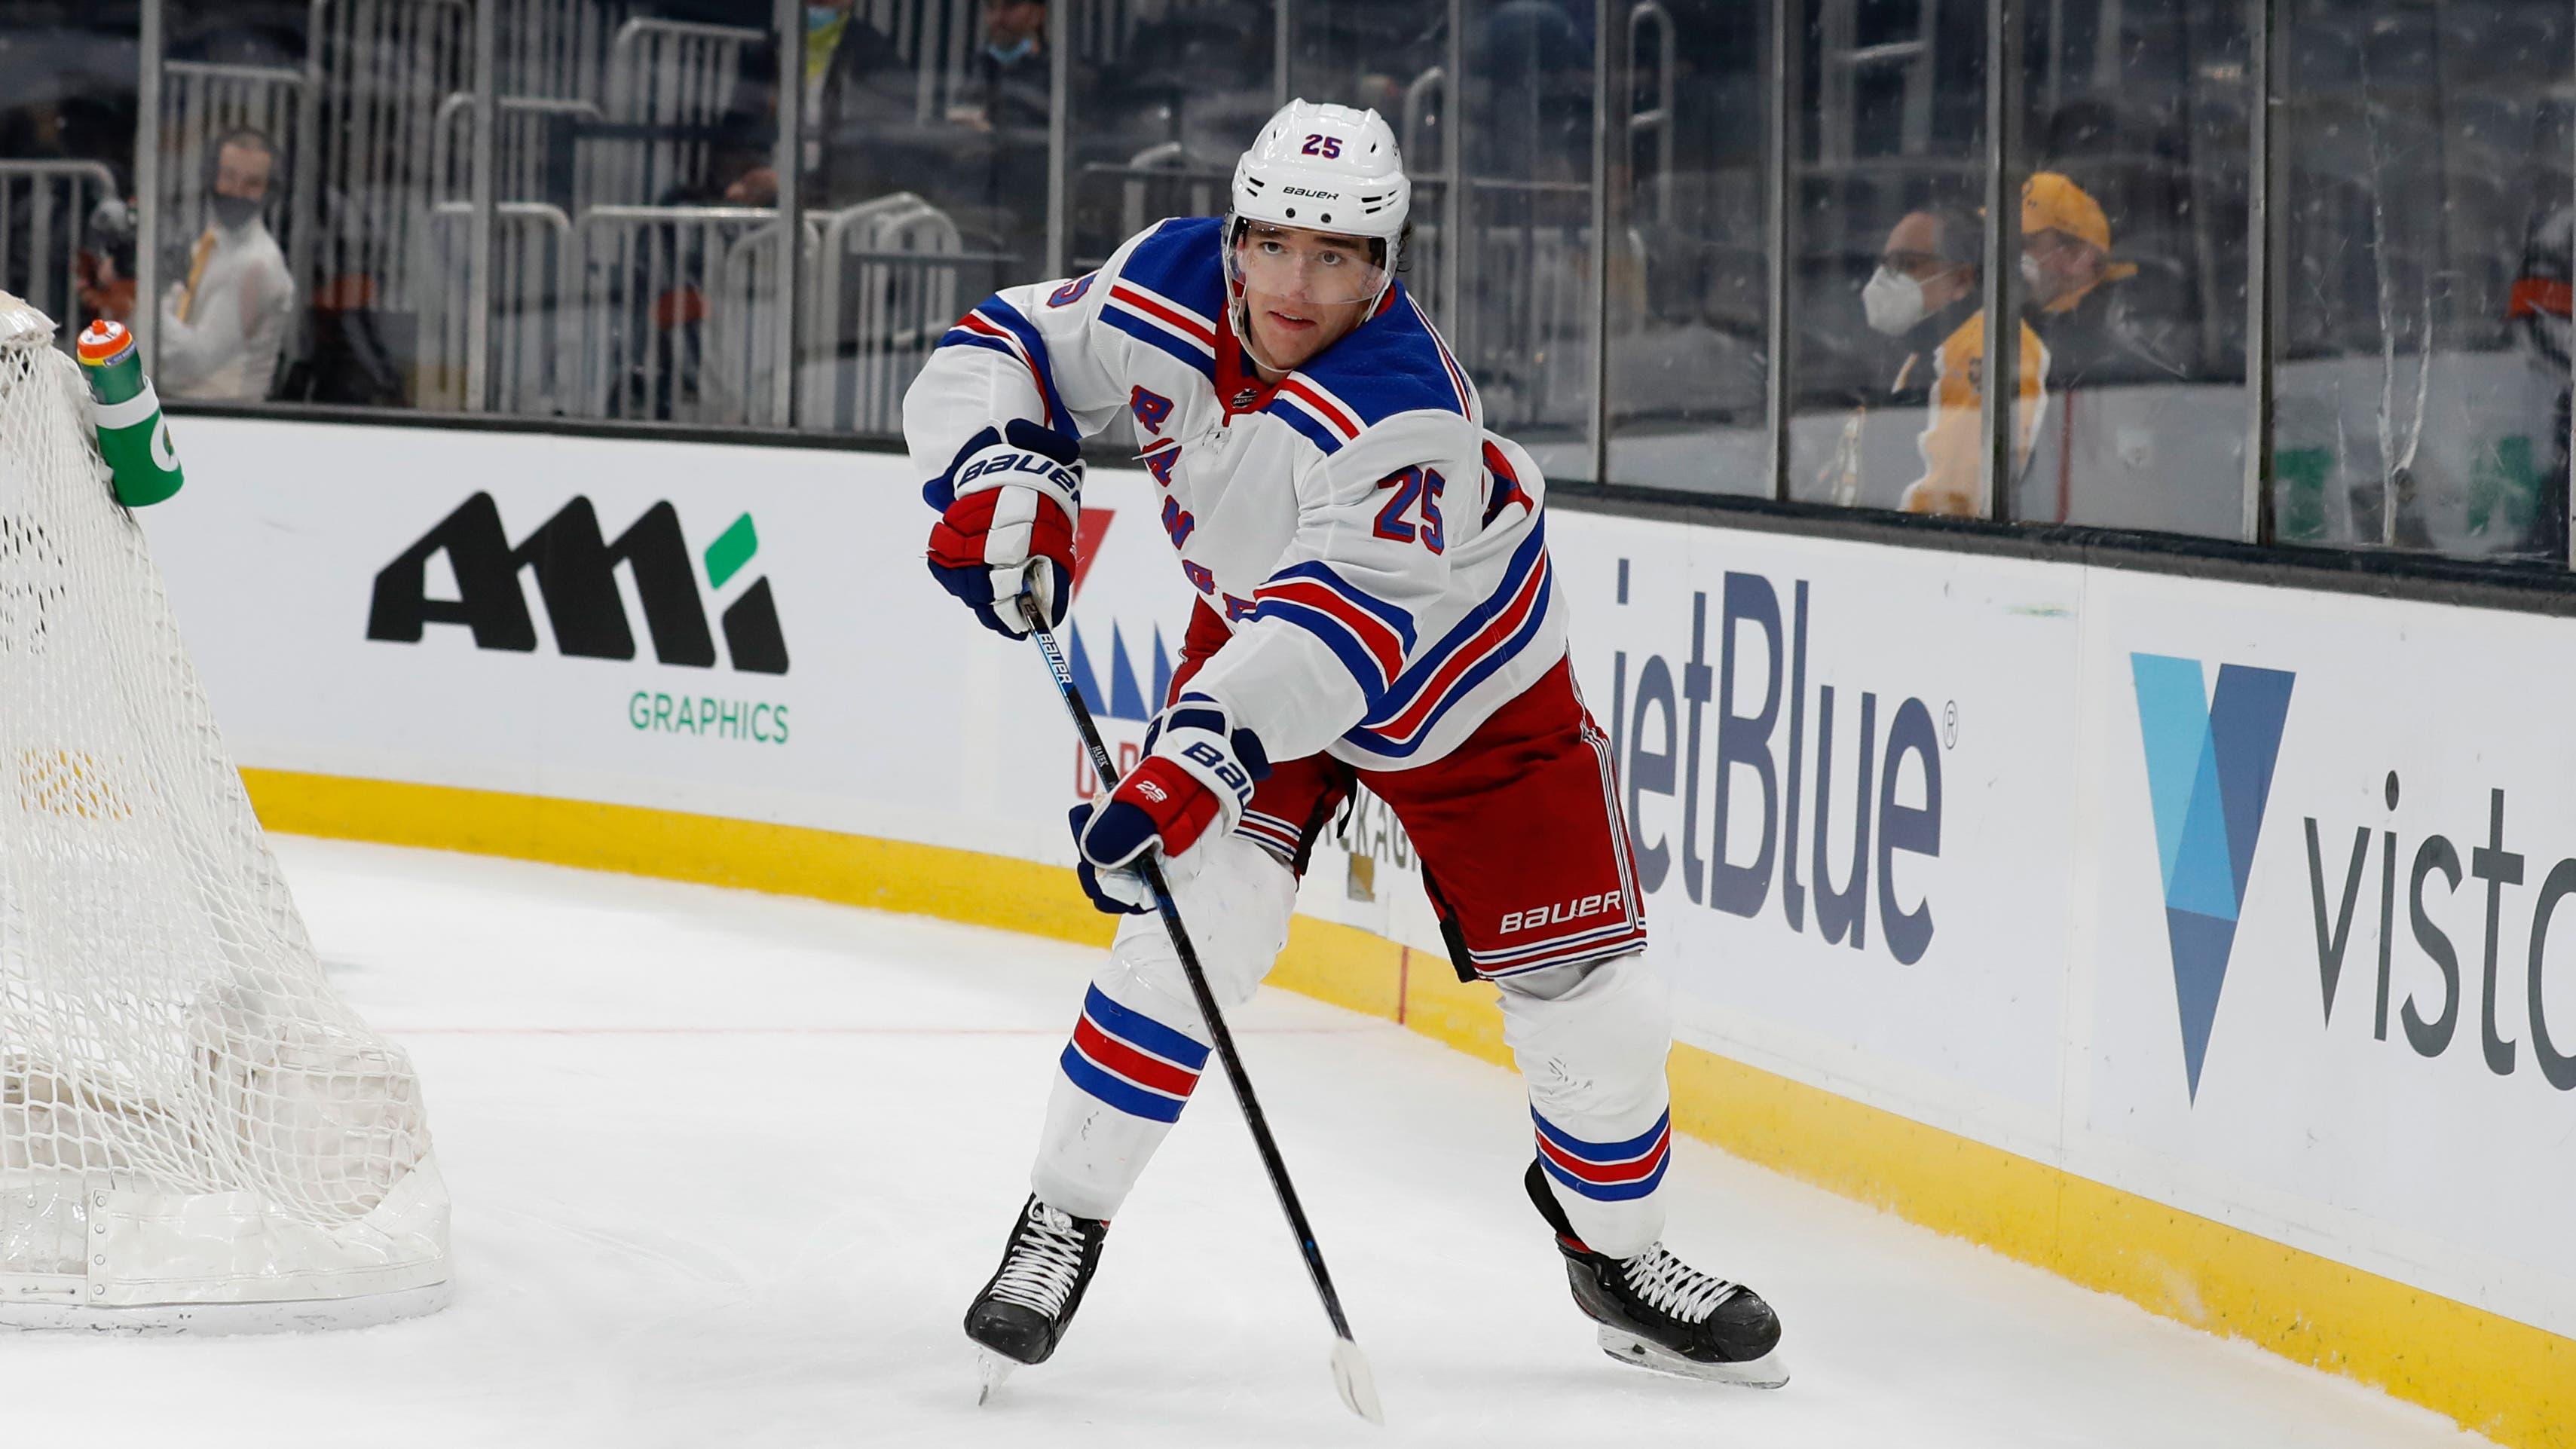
(1044, 1262)
(1671, 1286)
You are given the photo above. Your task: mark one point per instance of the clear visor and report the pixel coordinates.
(1287, 267)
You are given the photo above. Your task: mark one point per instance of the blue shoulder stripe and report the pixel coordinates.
(1391, 364)
(1180, 259)
(1305, 423)
(1153, 336)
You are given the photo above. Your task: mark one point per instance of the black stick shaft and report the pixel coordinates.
(1152, 871)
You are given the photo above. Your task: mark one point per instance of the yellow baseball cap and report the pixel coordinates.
(2052, 202)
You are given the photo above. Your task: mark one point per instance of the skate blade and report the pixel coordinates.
(1355, 1382)
(1766, 1372)
(990, 1371)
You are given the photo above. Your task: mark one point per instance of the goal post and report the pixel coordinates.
(196, 1133)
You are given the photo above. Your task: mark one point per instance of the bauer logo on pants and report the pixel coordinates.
(576, 571)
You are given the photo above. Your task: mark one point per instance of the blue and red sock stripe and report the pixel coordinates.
(1131, 1061)
(1606, 1171)
(1369, 635)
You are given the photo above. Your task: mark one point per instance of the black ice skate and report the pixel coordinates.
(1022, 1313)
(1658, 1312)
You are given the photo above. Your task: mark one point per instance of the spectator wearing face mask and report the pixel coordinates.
(223, 325)
(2104, 450)
(990, 168)
(1008, 81)
(1953, 439)
(2073, 296)
(1925, 286)
(857, 90)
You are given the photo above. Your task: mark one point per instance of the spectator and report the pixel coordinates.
(1924, 287)
(2074, 302)
(857, 89)
(223, 326)
(1009, 81)
(2096, 442)
(1953, 440)
(105, 263)
(2540, 305)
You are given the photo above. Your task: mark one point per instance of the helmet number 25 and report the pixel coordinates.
(1329, 147)
(1414, 487)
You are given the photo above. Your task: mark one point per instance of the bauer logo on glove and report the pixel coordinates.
(1008, 508)
(1194, 783)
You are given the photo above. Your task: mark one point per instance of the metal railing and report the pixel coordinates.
(524, 157)
(662, 294)
(886, 284)
(44, 212)
(673, 81)
(535, 345)
(375, 72)
(1658, 119)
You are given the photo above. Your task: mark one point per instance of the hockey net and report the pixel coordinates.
(195, 1132)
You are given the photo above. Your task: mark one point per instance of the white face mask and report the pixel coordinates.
(2030, 271)
(1892, 301)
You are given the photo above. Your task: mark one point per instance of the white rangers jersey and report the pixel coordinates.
(1378, 556)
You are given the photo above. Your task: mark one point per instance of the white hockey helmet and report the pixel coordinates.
(1327, 168)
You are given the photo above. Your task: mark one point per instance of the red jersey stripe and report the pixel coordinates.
(1163, 312)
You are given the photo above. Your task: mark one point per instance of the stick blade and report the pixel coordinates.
(1357, 1385)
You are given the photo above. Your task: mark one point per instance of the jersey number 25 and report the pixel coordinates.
(1417, 492)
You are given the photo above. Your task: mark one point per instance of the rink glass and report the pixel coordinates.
(640, 241)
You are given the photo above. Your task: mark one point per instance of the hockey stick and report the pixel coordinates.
(1351, 1375)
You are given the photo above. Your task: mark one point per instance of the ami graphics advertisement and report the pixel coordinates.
(702, 627)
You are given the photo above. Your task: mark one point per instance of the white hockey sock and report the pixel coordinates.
(1139, 1047)
(1593, 1056)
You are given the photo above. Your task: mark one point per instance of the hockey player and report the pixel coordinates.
(1375, 607)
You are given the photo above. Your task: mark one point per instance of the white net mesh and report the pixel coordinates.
(174, 1069)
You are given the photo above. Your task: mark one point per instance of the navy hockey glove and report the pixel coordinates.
(1008, 506)
(1112, 892)
(1195, 780)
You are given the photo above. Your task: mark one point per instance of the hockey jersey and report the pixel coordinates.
(1379, 557)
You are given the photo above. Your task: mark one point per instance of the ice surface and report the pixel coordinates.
(727, 1168)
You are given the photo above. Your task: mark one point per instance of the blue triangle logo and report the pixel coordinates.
(1083, 679)
(2209, 775)
(1125, 702)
